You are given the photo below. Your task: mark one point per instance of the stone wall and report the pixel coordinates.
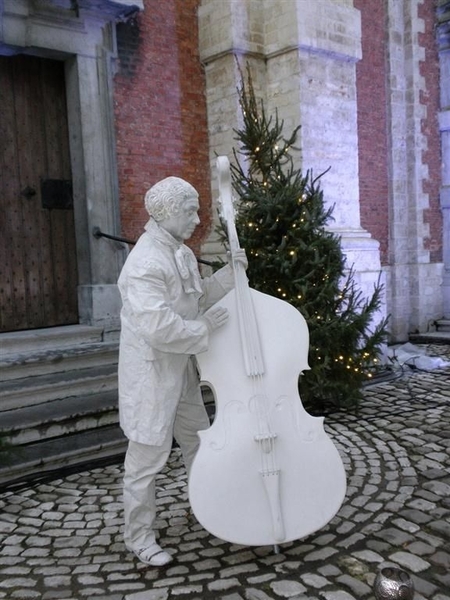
(302, 57)
(363, 86)
(444, 125)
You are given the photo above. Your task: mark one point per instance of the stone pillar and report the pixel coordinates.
(444, 122)
(229, 31)
(413, 281)
(302, 55)
(95, 187)
(311, 50)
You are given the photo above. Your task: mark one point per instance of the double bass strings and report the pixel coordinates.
(254, 364)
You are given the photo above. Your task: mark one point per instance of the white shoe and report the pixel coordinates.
(153, 556)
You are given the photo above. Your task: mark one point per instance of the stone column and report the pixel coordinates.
(312, 49)
(413, 281)
(444, 122)
(302, 55)
(95, 187)
(230, 34)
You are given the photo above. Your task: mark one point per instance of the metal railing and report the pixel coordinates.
(98, 233)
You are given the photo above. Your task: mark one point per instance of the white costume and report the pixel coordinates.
(159, 397)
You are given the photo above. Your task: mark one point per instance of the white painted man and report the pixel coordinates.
(167, 317)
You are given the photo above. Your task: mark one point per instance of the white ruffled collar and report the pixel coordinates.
(184, 257)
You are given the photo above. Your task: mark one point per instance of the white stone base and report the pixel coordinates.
(100, 305)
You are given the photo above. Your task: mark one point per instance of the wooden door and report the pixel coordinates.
(38, 267)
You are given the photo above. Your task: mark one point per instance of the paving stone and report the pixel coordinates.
(320, 555)
(358, 587)
(255, 594)
(424, 587)
(409, 561)
(161, 594)
(441, 559)
(441, 527)
(337, 595)
(368, 556)
(313, 580)
(287, 588)
(223, 584)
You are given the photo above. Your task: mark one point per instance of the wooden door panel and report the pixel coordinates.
(12, 288)
(38, 277)
(60, 222)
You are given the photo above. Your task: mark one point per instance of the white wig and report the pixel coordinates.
(165, 198)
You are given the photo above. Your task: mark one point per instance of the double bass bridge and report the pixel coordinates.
(266, 441)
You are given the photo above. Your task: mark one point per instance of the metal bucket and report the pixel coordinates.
(392, 583)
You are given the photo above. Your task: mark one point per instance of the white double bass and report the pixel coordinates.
(266, 472)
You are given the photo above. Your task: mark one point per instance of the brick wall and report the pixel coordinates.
(429, 69)
(160, 109)
(372, 123)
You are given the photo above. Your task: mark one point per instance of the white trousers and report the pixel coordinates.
(143, 463)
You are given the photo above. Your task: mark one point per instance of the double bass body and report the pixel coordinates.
(266, 472)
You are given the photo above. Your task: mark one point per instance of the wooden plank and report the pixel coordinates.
(29, 135)
(13, 294)
(58, 167)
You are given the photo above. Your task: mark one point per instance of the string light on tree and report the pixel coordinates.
(282, 222)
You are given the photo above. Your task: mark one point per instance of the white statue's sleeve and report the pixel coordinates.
(146, 308)
(216, 286)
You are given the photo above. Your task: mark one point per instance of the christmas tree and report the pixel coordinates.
(282, 221)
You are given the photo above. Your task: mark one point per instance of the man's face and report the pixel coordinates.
(181, 226)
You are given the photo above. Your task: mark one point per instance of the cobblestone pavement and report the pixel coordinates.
(63, 539)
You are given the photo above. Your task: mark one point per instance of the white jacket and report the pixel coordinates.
(163, 296)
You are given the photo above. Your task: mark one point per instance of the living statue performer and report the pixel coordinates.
(166, 318)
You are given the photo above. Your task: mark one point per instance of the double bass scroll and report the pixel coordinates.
(265, 472)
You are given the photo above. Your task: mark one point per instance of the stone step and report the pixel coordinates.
(32, 340)
(58, 453)
(56, 360)
(430, 337)
(56, 418)
(58, 399)
(29, 391)
(443, 325)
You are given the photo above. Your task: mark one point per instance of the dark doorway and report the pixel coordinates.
(38, 266)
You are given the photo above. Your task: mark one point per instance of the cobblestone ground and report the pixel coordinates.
(63, 539)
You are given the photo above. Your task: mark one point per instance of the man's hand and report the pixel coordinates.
(215, 317)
